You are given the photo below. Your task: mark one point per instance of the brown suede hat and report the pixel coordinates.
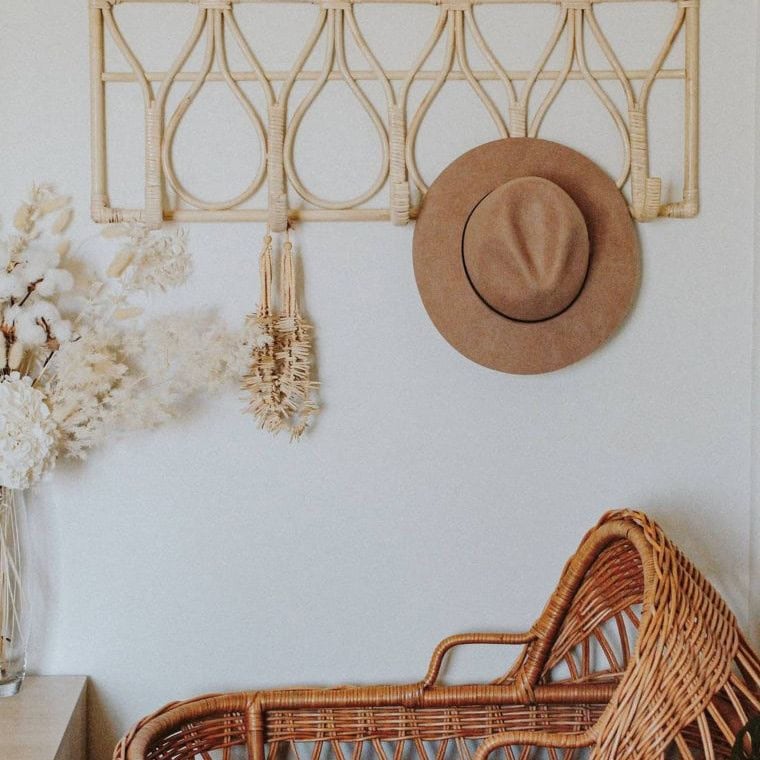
(525, 255)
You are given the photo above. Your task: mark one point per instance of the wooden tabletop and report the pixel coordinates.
(46, 720)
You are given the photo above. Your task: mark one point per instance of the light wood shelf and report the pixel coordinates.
(46, 720)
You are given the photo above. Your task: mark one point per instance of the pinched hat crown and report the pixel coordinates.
(526, 249)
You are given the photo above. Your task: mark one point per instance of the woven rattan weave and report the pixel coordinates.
(635, 656)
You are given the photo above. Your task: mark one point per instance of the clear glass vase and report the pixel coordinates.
(15, 600)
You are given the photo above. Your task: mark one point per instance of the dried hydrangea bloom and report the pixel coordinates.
(27, 446)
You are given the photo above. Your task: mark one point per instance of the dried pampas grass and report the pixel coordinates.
(283, 394)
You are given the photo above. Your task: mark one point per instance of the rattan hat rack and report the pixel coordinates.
(336, 22)
(217, 49)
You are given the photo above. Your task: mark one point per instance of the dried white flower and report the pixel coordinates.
(23, 220)
(35, 323)
(55, 281)
(54, 203)
(41, 257)
(44, 310)
(29, 332)
(115, 230)
(27, 447)
(5, 255)
(15, 355)
(81, 390)
(62, 331)
(156, 263)
(110, 370)
(11, 314)
(63, 220)
(11, 286)
(120, 263)
(128, 312)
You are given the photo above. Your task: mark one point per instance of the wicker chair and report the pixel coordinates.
(635, 656)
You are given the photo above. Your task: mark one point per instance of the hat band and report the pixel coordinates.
(490, 305)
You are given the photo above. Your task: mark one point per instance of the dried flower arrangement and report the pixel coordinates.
(283, 394)
(78, 362)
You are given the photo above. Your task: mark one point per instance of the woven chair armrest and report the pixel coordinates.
(564, 740)
(508, 639)
(135, 745)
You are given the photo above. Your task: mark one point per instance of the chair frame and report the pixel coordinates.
(684, 689)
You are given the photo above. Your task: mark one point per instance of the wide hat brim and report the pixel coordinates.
(472, 327)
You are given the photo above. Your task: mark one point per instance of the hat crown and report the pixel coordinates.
(526, 249)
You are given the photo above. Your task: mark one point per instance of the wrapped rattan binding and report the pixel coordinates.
(261, 380)
(635, 657)
(294, 352)
(282, 391)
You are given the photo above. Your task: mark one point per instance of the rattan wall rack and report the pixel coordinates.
(215, 28)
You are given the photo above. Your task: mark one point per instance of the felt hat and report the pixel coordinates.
(525, 255)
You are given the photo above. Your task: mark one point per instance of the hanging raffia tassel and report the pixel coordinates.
(262, 381)
(294, 353)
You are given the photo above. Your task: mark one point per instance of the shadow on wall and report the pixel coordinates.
(697, 540)
(102, 734)
(44, 566)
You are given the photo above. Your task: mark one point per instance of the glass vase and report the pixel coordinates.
(15, 612)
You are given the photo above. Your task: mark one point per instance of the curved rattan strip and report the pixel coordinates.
(277, 180)
(335, 52)
(430, 44)
(659, 60)
(402, 149)
(187, 49)
(646, 191)
(543, 59)
(609, 54)
(215, 49)
(129, 56)
(565, 22)
(430, 95)
(466, 69)
(399, 196)
(550, 622)
(245, 48)
(369, 56)
(488, 54)
(604, 98)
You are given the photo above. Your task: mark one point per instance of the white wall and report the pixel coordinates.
(434, 496)
(754, 528)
